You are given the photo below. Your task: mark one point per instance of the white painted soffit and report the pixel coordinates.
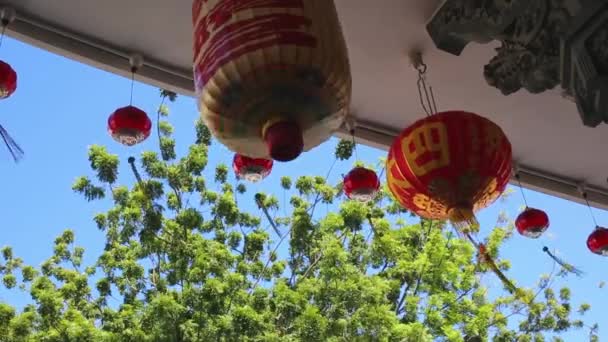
(103, 55)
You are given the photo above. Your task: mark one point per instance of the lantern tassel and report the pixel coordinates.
(490, 262)
(464, 220)
(270, 220)
(11, 144)
(566, 266)
(486, 258)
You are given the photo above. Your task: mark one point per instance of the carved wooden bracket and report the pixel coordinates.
(544, 43)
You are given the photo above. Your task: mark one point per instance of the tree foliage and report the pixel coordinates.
(184, 262)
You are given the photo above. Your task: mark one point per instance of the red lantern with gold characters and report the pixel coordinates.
(532, 222)
(251, 169)
(129, 125)
(361, 184)
(272, 76)
(597, 242)
(8, 80)
(448, 166)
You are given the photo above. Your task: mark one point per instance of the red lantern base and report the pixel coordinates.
(128, 136)
(463, 219)
(251, 169)
(284, 140)
(363, 195)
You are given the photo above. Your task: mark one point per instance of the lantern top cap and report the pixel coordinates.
(417, 61)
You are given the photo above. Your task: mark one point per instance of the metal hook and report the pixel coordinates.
(417, 62)
(582, 189)
(136, 61)
(516, 169)
(350, 123)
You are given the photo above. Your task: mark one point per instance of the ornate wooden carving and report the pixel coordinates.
(544, 43)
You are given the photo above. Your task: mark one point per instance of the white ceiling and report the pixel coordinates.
(545, 130)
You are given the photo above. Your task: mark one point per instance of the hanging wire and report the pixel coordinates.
(352, 135)
(133, 71)
(4, 25)
(521, 189)
(425, 91)
(590, 209)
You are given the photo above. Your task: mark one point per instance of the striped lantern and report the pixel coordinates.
(272, 76)
(448, 166)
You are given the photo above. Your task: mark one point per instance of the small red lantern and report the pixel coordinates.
(251, 169)
(129, 125)
(532, 223)
(597, 242)
(8, 80)
(361, 184)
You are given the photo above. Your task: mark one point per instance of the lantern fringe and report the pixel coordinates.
(464, 220)
(11, 144)
(490, 262)
(565, 265)
(487, 259)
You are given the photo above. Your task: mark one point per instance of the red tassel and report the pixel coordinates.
(486, 258)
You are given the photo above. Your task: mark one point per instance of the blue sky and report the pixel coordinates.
(61, 107)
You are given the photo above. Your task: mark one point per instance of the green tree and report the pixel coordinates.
(183, 262)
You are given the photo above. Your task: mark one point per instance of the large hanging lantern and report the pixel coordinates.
(272, 77)
(129, 125)
(448, 166)
(361, 184)
(8, 80)
(532, 222)
(597, 242)
(251, 169)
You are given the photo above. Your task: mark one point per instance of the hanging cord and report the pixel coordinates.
(4, 25)
(133, 71)
(590, 209)
(7, 15)
(352, 135)
(425, 90)
(566, 266)
(131, 161)
(521, 189)
(136, 61)
(158, 113)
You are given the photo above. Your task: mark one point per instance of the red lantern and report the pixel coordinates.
(449, 165)
(129, 125)
(361, 184)
(8, 80)
(251, 169)
(597, 242)
(272, 77)
(532, 223)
